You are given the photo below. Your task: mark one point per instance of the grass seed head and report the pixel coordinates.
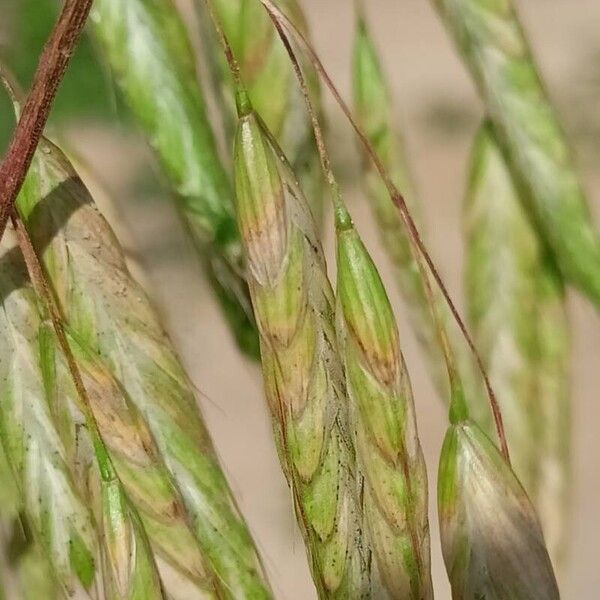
(383, 417)
(293, 305)
(492, 542)
(148, 49)
(491, 41)
(110, 316)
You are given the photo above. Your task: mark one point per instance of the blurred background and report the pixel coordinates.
(438, 112)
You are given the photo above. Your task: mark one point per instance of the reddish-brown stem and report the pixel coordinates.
(51, 68)
(232, 62)
(282, 21)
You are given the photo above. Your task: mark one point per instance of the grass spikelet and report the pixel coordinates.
(393, 480)
(147, 48)
(128, 564)
(135, 458)
(55, 510)
(293, 305)
(383, 417)
(373, 106)
(109, 315)
(492, 542)
(128, 567)
(517, 310)
(493, 46)
(130, 571)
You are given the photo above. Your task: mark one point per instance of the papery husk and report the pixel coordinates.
(492, 541)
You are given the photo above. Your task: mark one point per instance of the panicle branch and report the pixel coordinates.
(50, 71)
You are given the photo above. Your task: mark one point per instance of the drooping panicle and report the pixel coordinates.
(383, 420)
(293, 304)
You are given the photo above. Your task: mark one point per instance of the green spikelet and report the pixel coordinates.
(491, 538)
(147, 48)
(373, 106)
(293, 304)
(59, 502)
(134, 459)
(109, 315)
(493, 45)
(55, 510)
(129, 569)
(517, 310)
(383, 417)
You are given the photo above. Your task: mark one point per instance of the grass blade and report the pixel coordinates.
(108, 314)
(516, 305)
(147, 47)
(493, 46)
(293, 304)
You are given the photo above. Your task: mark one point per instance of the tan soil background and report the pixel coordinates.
(438, 113)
